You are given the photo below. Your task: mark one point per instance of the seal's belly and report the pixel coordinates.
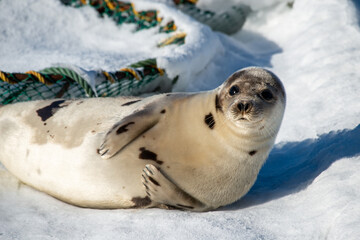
(60, 155)
(79, 175)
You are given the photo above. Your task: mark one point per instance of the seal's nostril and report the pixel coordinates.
(241, 107)
(247, 107)
(244, 107)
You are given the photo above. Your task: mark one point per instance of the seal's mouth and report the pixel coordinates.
(248, 120)
(241, 116)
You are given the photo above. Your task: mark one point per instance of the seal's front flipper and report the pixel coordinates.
(126, 131)
(161, 190)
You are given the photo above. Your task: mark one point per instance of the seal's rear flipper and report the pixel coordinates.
(161, 190)
(126, 131)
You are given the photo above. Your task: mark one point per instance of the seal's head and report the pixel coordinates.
(253, 99)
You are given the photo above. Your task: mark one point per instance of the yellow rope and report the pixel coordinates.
(158, 18)
(110, 5)
(108, 77)
(193, 1)
(173, 28)
(132, 72)
(133, 9)
(39, 77)
(4, 78)
(83, 2)
(161, 71)
(172, 39)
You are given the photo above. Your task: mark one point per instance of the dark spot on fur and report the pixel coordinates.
(98, 151)
(252, 152)
(148, 155)
(123, 128)
(47, 112)
(154, 181)
(65, 127)
(168, 167)
(217, 104)
(262, 128)
(45, 124)
(209, 120)
(184, 206)
(141, 202)
(78, 103)
(131, 102)
(48, 131)
(93, 131)
(168, 95)
(163, 111)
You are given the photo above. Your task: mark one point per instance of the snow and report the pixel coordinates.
(79, 37)
(308, 188)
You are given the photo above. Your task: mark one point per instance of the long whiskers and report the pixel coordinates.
(268, 131)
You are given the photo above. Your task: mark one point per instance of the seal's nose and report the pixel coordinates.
(244, 106)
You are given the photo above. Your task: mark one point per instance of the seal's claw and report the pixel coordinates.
(151, 179)
(150, 168)
(161, 190)
(104, 152)
(107, 149)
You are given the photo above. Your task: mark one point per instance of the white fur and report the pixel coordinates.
(212, 165)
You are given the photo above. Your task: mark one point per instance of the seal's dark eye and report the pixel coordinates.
(266, 95)
(234, 90)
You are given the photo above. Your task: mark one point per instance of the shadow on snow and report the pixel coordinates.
(292, 166)
(239, 51)
(357, 6)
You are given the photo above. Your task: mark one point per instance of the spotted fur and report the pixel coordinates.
(148, 155)
(252, 153)
(47, 112)
(217, 103)
(124, 147)
(123, 128)
(209, 120)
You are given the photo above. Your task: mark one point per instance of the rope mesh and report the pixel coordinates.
(66, 83)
